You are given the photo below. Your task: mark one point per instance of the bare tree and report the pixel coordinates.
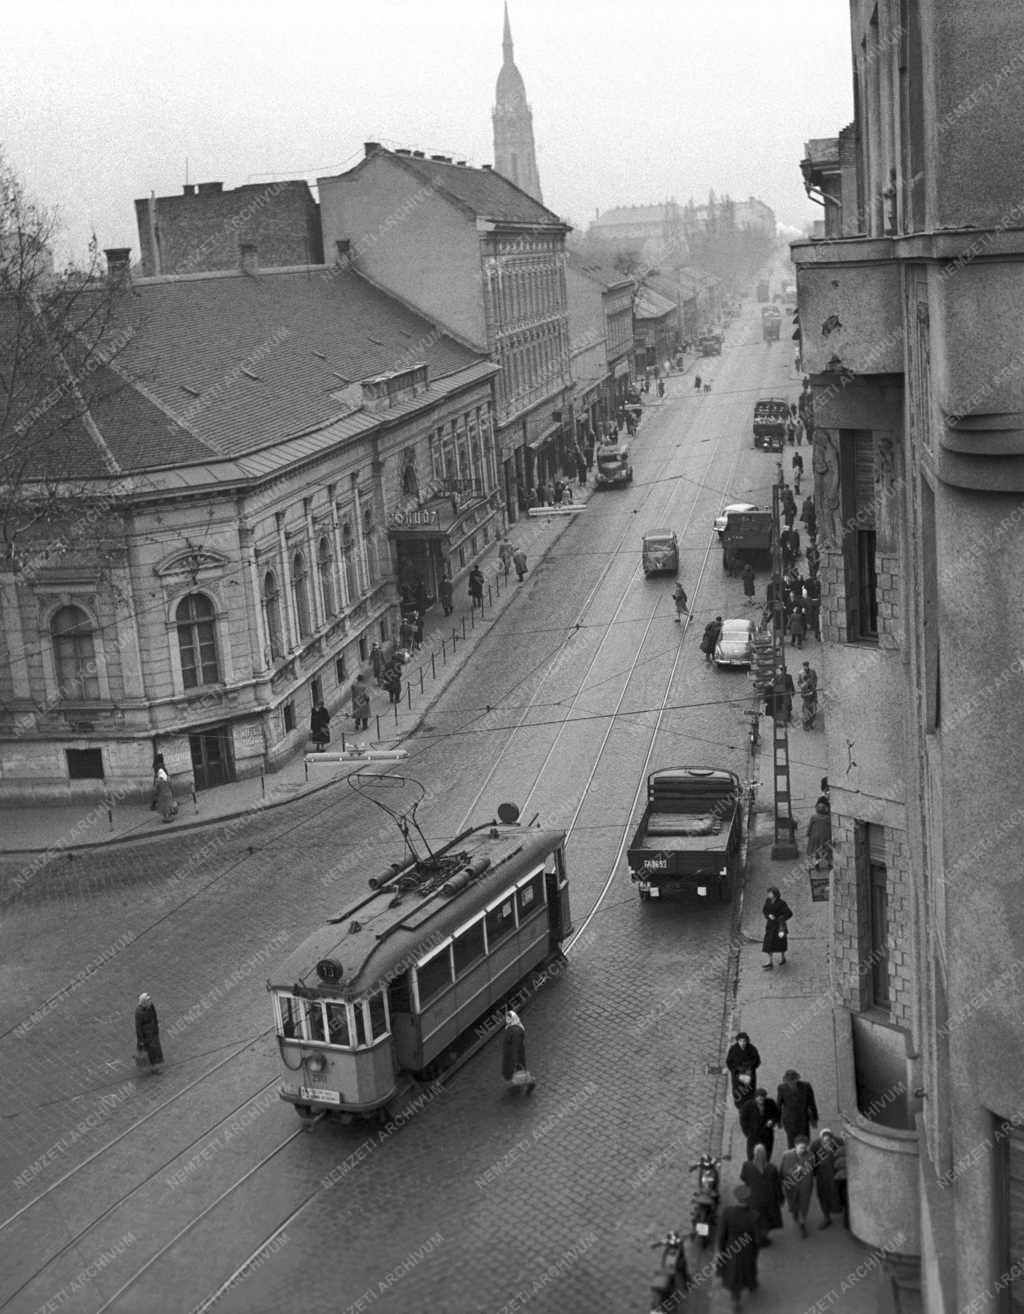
(59, 336)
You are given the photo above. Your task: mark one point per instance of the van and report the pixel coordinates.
(613, 466)
(660, 551)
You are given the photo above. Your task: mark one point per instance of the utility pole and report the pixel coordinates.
(784, 845)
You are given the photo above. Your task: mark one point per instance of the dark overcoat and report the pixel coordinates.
(765, 1193)
(513, 1051)
(737, 1248)
(758, 1125)
(797, 1108)
(825, 1157)
(741, 1059)
(147, 1032)
(777, 913)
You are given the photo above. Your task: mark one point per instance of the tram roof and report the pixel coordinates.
(373, 940)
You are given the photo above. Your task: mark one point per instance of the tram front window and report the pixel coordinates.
(315, 1020)
(339, 1031)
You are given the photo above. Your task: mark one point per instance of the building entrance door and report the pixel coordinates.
(212, 762)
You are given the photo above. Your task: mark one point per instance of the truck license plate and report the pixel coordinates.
(655, 892)
(702, 1229)
(319, 1093)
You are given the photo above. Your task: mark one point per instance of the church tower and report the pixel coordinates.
(514, 153)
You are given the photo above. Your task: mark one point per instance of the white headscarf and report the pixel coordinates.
(512, 1020)
(144, 998)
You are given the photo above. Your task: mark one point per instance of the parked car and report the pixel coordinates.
(660, 552)
(735, 643)
(727, 511)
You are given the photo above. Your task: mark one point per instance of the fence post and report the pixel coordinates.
(463, 627)
(377, 719)
(408, 695)
(421, 679)
(433, 663)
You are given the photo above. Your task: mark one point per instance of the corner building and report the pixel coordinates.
(910, 307)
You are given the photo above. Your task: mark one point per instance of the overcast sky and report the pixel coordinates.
(632, 103)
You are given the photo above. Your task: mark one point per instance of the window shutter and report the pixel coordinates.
(864, 479)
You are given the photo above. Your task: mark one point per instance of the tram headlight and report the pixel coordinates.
(315, 1062)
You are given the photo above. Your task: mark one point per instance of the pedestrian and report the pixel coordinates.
(379, 663)
(801, 429)
(661, 387)
(361, 703)
(559, 489)
(807, 510)
(393, 683)
(710, 637)
(447, 592)
(789, 541)
(737, 1246)
(798, 1181)
(407, 631)
(513, 1054)
(759, 1116)
(533, 497)
(819, 838)
(696, 382)
(581, 469)
(840, 1180)
(798, 1110)
(519, 561)
(147, 1035)
(824, 1153)
(812, 609)
(797, 624)
(790, 431)
(476, 588)
(765, 1185)
(776, 913)
(748, 583)
(679, 598)
(320, 725)
(505, 554)
(813, 558)
(743, 1060)
(808, 685)
(798, 468)
(729, 561)
(163, 792)
(789, 510)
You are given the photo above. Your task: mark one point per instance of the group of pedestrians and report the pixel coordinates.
(806, 1164)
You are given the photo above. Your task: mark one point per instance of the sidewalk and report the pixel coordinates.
(448, 641)
(788, 1015)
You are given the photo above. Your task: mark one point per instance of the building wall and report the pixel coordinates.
(201, 230)
(410, 240)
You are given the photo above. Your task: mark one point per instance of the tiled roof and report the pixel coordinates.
(229, 363)
(597, 270)
(651, 305)
(484, 191)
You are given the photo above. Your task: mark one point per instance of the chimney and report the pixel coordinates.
(488, 167)
(210, 189)
(118, 263)
(370, 146)
(188, 189)
(248, 258)
(419, 155)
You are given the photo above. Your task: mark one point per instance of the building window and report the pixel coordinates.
(364, 651)
(340, 671)
(197, 641)
(859, 546)
(349, 560)
(84, 763)
(871, 861)
(272, 614)
(1011, 1138)
(300, 592)
(385, 629)
(288, 712)
(316, 691)
(74, 653)
(370, 544)
(325, 567)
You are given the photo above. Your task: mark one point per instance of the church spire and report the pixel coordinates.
(514, 153)
(506, 40)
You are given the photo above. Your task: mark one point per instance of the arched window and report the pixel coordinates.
(272, 613)
(197, 641)
(300, 592)
(325, 567)
(348, 552)
(74, 654)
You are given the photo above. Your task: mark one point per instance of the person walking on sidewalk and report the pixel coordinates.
(748, 583)
(679, 598)
(519, 561)
(513, 1055)
(743, 1060)
(361, 704)
(163, 791)
(446, 591)
(147, 1034)
(393, 683)
(824, 1153)
(798, 1110)
(709, 641)
(320, 725)
(736, 1244)
(759, 1116)
(762, 1177)
(476, 588)
(798, 1181)
(776, 913)
(819, 838)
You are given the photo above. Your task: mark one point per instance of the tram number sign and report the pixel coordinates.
(317, 1093)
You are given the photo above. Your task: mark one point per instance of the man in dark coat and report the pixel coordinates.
(748, 582)
(743, 1061)
(476, 588)
(361, 704)
(737, 1246)
(519, 561)
(824, 1155)
(798, 1110)
(766, 1195)
(759, 1116)
(147, 1032)
(709, 641)
(446, 590)
(320, 725)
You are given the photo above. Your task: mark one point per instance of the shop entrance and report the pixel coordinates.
(212, 759)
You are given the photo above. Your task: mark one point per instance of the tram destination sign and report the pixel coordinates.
(318, 1093)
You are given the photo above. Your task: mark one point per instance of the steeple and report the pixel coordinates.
(514, 153)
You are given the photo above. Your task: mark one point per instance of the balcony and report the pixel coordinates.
(848, 298)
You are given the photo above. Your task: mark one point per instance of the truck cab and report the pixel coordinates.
(613, 466)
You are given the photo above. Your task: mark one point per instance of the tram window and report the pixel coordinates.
(501, 921)
(338, 1032)
(378, 1017)
(399, 999)
(469, 947)
(434, 975)
(357, 1009)
(315, 1020)
(289, 1015)
(531, 895)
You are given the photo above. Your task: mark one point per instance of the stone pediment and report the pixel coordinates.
(192, 562)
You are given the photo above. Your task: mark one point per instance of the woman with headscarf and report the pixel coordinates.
(737, 1246)
(776, 913)
(743, 1061)
(825, 1157)
(147, 1032)
(513, 1053)
(762, 1177)
(798, 1181)
(163, 792)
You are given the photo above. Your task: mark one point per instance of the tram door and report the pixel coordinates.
(404, 1027)
(557, 890)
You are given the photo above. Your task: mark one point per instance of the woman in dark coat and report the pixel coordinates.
(759, 1116)
(446, 594)
(513, 1050)
(762, 1177)
(737, 1246)
(743, 1061)
(147, 1032)
(476, 588)
(776, 912)
(163, 791)
(825, 1156)
(320, 726)
(798, 1109)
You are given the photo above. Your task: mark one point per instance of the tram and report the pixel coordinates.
(391, 985)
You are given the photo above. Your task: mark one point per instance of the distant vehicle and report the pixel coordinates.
(660, 552)
(771, 323)
(747, 537)
(726, 512)
(613, 466)
(735, 643)
(710, 344)
(770, 416)
(689, 837)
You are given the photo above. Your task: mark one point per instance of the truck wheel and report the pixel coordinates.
(724, 889)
